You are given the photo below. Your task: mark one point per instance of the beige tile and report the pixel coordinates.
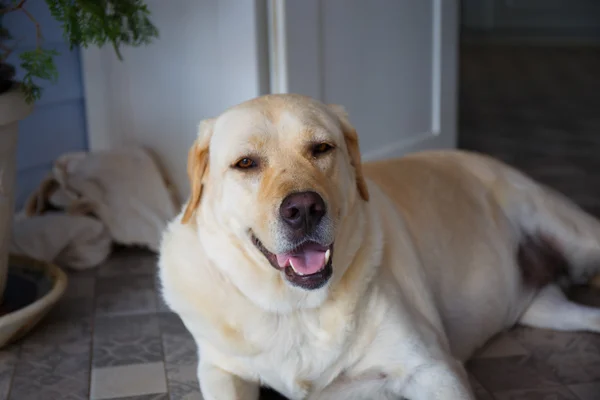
(502, 346)
(586, 391)
(128, 380)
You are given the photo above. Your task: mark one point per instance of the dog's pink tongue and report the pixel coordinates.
(308, 260)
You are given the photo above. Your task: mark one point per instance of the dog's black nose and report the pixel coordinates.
(302, 210)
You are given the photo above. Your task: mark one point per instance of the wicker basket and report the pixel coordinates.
(34, 288)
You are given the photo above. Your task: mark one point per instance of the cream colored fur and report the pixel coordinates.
(424, 262)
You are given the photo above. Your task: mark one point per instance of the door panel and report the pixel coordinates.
(391, 63)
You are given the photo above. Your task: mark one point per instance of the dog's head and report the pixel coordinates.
(279, 173)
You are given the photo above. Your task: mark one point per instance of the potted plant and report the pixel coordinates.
(84, 22)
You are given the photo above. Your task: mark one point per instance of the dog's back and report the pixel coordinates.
(488, 237)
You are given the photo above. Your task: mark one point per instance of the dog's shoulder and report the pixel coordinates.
(183, 267)
(197, 291)
(179, 251)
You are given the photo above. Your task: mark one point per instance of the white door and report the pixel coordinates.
(391, 63)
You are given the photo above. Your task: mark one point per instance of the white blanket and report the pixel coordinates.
(91, 200)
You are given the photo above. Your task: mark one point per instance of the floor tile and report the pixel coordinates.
(586, 391)
(81, 285)
(52, 372)
(181, 358)
(118, 295)
(572, 368)
(78, 300)
(554, 393)
(573, 356)
(171, 324)
(502, 346)
(183, 382)
(128, 381)
(517, 372)
(122, 340)
(127, 262)
(8, 362)
(543, 343)
(72, 308)
(61, 326)
(179, 349)
(481, 393)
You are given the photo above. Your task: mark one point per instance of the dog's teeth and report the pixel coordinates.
(327, 255)
(295, 270)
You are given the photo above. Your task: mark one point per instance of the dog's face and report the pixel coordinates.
(278, 174)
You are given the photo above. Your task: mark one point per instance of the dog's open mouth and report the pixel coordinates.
(308, 266)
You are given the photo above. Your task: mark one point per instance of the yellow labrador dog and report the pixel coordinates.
(296, 267)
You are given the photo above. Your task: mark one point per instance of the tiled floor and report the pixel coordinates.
(111, 336)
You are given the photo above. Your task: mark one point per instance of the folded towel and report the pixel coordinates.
(118, 195)
(74, 241)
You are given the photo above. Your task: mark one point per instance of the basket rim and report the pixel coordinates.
(59, 284)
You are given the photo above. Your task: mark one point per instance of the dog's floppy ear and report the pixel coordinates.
(198, 167)
(351, 138)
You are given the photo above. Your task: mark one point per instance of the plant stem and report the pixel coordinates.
(38, 28)
(14, 8)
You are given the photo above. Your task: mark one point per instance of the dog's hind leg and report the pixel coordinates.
(551, 309)
(550, 218)
(543, 215)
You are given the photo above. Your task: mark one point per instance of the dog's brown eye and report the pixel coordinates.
(246, 163)
(321, 148)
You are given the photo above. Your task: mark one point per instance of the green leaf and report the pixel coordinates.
(117, 23)
(37, 64)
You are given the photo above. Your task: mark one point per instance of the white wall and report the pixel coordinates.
(211, 55)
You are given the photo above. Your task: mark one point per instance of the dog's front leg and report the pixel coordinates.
(218, 384)
(438, 380)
